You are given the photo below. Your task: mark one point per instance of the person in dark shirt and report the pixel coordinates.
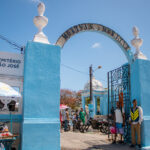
(66, 120)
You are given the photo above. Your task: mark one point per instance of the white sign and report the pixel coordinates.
(11, 63)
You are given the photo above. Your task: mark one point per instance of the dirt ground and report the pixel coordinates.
(89, 141)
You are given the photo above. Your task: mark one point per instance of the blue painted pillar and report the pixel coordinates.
(41, 125)
(140, 90)
(104, 104)
(90, 107)
(105, 98)
(94, 105)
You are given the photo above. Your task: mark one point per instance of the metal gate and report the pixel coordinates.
(119, 84)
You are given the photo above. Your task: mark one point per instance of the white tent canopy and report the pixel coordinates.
(8, 91)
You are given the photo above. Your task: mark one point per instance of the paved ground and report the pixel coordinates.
(89, 141)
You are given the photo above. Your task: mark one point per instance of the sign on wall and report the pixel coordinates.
(11, 64)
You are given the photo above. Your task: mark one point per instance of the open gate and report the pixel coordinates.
(119, 89)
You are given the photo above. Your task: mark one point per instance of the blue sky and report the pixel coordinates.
(83, 49)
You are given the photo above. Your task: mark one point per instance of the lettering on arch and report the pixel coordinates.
(92, 27)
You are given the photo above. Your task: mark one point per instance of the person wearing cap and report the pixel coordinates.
(136, 119)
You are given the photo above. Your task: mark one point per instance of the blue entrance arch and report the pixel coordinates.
(100, 29)
(41, 92)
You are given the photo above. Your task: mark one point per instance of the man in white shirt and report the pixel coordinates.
(119, 120)
(136, 120)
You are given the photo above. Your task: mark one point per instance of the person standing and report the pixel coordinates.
(66, 126)
(136, 119)
(60, 115)
(82, 116)
(75, 120)
(76, 115)
(119, 120)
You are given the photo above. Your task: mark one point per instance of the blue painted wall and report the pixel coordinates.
(15, 118)
(93, 106)
(140, 89)
(104, 104)
(41, 126)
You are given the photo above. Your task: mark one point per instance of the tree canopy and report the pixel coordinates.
(70, 98)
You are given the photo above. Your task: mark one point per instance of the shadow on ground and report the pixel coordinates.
(110, 147)
(104, 147)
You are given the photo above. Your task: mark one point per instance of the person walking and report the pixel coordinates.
(82, 116)
(119, 119)
(136, 119)
(66, 126)
(75, 120)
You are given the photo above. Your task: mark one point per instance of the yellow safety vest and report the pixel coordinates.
(135, 115)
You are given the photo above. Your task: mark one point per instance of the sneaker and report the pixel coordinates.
(132, 145)
(139, 146)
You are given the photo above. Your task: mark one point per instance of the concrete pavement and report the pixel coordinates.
(89, 141)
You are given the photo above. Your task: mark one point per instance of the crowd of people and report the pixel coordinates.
(119, 119)
(72, 118)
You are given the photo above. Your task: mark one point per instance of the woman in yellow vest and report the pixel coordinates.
(136, 120)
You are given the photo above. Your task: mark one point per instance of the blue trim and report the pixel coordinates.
(15, 118)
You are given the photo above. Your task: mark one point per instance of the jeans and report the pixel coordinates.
(66, 125)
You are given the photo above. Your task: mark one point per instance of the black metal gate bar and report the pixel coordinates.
(119, 81)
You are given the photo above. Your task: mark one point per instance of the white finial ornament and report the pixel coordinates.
(40, 22)
(137, 43)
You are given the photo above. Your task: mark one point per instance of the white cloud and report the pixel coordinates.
(35, 1)
(96, 45)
